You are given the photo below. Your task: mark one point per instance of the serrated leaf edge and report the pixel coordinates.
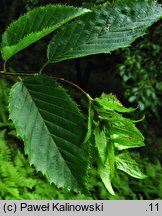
(36, 167)
(50, 29)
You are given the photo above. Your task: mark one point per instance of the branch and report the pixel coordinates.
(75, 85)
(57, 78)
(17, 74)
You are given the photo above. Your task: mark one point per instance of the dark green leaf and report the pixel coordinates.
(107, 28)
(35, 25)
(52, 129)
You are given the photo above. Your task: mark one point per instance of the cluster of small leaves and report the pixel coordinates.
(45, 116)
(113, 133)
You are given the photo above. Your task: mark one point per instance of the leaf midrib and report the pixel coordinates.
(68, 111)
(89, 40)
(49, 134)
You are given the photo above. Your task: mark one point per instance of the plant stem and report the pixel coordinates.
(57, 78)
(4, 66)
(42, 68)
(16, 74)
(76, 86)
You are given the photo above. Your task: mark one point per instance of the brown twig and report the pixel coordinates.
(16, 74)
(57, 78)
(71, 83)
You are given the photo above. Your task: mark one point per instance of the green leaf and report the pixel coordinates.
(107, 28)
(101, 143)
(35, 25)
(121, 131)
(90, 123)
(106, 170)
(125, 163)
(125, 134)
(106, 161)
(52, 129)
(110, 102)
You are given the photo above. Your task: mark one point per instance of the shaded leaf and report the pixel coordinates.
(107, 28)
(52, 129)
(34, 25)
(125, 163)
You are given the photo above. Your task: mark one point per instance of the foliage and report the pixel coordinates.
(141, 73)
(52, 138)
(20, 181)
(148, 188)
(16, 182)
(4, 90)
(107, 28)
(127, 188)
(35, 25)
(112, 133)
(45, 116)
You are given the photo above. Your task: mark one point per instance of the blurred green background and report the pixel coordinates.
(134, 74)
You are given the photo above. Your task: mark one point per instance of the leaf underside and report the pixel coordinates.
(108, 27)
(105, 171)
(101, 143)
(125, 134)
(114, 132)
(35, 25)
(52, 129)
(120, 130)
(106, 161)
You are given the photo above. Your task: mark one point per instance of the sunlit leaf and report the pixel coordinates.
(121, 130)
(110, 102)
(106, 170)
(125, 134)
(125, 163)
